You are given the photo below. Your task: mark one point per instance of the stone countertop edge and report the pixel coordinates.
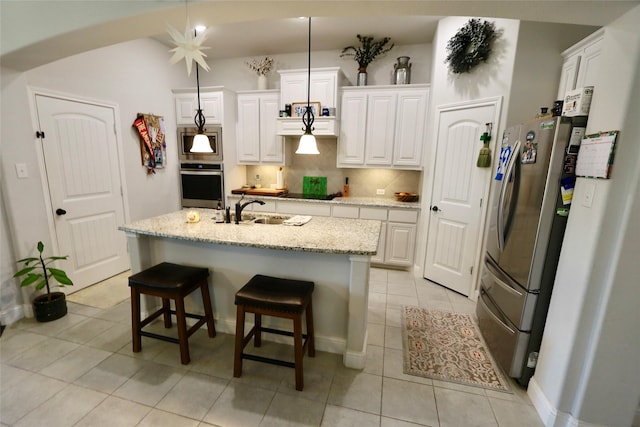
(320, 235)
(383, 202)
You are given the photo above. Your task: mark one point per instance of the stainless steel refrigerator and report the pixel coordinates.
(526, 228)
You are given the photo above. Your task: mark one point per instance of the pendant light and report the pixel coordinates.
(200, 141)
(307, 144)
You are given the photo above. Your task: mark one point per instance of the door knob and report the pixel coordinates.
(436, 209)
(60, 211)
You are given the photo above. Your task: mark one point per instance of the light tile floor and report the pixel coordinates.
(80, 371)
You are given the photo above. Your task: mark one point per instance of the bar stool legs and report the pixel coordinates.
(270, 296)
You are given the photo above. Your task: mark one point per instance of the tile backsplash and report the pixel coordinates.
(362, 182)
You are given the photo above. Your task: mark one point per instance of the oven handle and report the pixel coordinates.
(198, 172)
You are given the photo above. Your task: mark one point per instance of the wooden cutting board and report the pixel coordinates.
(260, 192)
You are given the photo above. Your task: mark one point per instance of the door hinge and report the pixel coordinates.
(471, 270)
(481, 202)
(39, 134)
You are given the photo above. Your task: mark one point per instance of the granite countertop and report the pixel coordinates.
(321, 234)
(384, 202)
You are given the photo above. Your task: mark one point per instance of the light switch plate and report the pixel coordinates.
(21, 170)
(380, 192)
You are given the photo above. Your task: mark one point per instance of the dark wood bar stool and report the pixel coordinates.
(284, 298)
(170, 282)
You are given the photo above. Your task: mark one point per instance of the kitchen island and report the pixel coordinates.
(332, 252)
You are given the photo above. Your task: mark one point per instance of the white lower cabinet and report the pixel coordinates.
(400, 245)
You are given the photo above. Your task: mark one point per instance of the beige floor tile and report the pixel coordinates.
(460, 387)
(193, 395)
(456, 408)
(157, 418)
(408, 401)
(356, 390)
(27, 395)
(113, 339)
(42, 354)
(114, 411)
(402, 289)
(240, 406)
(215, 358)
(83, 310)
(120, 313)
(56, 327)
(10, 376)
(150, 384)
(510, 413)
(397, 301)
(75, 363)
(376, 315)
(393, 317)
(111, 373)
(377, 300)
(375, 334)
(379, 274)
(66, 408)
(377, 286)
(15, 341)
(375, 360)
(85, 330)
(287, 410)
(392, 422)
(393, 337)
(336, 416)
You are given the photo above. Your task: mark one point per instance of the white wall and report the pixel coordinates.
(491, 79)
(136, 77)
(588, 368)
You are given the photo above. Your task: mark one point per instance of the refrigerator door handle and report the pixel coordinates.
(500, 321)
(504, 231)
(504, 285)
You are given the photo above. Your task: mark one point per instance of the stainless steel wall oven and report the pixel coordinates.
(202, 184)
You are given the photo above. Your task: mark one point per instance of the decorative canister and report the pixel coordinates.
(402, 71)
(362, 76)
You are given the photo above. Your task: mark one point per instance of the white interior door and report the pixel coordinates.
(83, 174)
(454, 233)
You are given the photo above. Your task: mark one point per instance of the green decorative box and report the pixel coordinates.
(314, 185)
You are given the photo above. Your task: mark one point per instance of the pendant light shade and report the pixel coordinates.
(307, 144)
(201, 144)
(200, 141)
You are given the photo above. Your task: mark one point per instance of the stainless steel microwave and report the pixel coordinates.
(185, 141)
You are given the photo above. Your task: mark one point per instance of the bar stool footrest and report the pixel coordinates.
(268, 360)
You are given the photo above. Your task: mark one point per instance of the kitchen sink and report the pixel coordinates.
(271, 219)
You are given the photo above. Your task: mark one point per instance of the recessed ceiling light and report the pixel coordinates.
(200, 28)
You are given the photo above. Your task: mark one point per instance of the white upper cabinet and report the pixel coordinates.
(323, 88)
(383, 126)
(187, 105)
(257, 139)
(581, 64)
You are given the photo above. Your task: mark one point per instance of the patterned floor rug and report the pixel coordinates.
(448, 346)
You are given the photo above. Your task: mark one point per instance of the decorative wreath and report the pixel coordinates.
(471, 45)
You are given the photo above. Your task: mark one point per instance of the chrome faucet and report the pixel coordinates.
(240, 207)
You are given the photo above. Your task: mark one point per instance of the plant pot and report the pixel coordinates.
(362, 77)
(46, 310)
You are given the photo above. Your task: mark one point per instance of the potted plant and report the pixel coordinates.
(366, 53)
(261, 68)
(52, 305)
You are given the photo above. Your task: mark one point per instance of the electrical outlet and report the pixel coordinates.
(380, 192)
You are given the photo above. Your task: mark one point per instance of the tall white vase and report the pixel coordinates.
(262, 82)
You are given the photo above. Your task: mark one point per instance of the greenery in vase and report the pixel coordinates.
(38, 273)
(368, 50)
(261, 67)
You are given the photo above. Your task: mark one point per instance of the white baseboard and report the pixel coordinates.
(549, 414)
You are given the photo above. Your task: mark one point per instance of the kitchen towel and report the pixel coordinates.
(297, 220)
